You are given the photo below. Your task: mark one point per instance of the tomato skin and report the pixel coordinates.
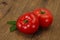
(45, 18)
(29, 27)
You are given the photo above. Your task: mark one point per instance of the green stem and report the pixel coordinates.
(25, 21)
(42, 12)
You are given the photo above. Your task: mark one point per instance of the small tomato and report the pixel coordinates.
(27, 23)
(45, 17)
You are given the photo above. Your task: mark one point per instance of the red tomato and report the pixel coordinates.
(45, 17)
(27, 23)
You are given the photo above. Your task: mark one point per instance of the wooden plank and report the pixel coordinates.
(12, 9)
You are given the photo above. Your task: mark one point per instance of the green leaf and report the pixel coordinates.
(13, 28)
(11, 22)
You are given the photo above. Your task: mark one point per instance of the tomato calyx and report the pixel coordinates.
(25, 21)
(42, 12)
(13, 25)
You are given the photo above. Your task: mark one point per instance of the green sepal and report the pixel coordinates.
(11, 22)
(13, 28)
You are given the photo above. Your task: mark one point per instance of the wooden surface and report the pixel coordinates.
(12, 9)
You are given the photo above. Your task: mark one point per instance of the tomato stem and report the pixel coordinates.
(42, 12)
(25, 21)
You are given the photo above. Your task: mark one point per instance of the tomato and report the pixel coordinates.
(27, 23)
(45, 17)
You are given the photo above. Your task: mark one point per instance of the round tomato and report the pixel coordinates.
(45, 17)
(27, 23)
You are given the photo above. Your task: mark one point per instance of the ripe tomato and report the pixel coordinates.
(45, 17)
(27, 23)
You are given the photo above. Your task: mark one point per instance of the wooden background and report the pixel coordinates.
(12, 9)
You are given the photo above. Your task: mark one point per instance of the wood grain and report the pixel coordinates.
(12, 9)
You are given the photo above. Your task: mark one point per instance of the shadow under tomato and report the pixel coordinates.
(39, 32)
(24, 35)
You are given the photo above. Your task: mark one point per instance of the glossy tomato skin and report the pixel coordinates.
(45, 17)
(27, 23)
